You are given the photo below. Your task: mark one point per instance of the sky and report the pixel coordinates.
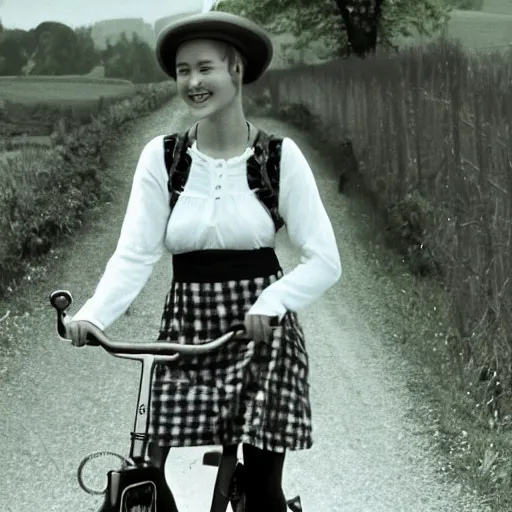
(27, 14)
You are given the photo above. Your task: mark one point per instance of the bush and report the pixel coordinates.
(406, 221)
(299, 115)
(45, 193)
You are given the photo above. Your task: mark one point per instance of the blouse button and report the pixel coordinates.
(218, 187)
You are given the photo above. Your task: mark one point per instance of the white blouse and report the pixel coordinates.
(217, 210)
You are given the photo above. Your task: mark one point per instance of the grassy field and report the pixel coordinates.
(498, 6)
(482, 30)
(30, 106)
(62, 90)
(488, 29)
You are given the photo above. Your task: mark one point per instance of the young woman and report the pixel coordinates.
(254, 391)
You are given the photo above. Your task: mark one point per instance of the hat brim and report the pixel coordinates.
(247, 37)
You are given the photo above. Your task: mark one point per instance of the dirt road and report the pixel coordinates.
(59, 403)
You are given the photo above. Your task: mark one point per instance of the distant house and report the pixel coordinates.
(112, 29)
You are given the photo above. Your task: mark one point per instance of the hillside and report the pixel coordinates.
(482, 30)
(477, 30)
(498, 6)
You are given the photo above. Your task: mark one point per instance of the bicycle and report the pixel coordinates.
(139, 485)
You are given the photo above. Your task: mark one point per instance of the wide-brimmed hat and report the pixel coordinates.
(249, 38)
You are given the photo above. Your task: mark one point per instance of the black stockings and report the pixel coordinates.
(263, 473)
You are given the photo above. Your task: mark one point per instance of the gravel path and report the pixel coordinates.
(59, 403)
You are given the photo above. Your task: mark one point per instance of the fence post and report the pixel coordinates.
(275, 99)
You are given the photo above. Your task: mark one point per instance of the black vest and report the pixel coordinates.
(263, 169)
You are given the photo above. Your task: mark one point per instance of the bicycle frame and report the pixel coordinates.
(141, 486)
(140, 483)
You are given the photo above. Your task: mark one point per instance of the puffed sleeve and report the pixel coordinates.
(310, 231)
(141, 243)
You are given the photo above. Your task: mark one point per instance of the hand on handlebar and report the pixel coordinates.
(83, 333)
(259, 327)
(77, 332)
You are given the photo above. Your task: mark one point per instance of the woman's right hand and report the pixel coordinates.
(77, 332)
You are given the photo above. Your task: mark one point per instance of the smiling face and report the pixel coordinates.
(206, 76)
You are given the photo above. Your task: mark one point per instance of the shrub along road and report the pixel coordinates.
(60, 403)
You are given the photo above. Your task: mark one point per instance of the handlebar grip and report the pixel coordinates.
(91, 340)
(61, 300)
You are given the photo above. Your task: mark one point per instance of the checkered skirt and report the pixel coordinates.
(243, 392)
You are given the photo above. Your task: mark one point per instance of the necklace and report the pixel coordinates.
(248, 133)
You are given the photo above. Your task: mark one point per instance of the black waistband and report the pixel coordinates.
(220, 265)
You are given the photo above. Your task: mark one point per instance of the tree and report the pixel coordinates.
(132, 59)
(56, 51)
(88, 56)
(12, 57)
(361, 22)
(145, 67)
(51, 48)
(14, 51)
(344, 26)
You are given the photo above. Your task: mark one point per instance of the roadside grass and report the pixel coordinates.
(467, 412)
(46, 188)
(462, 375)
(475, 447)
(456, 401)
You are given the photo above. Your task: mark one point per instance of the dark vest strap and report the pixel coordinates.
(178, 162)
(263, 169)
(263, 173)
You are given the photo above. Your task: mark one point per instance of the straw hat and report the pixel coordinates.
(246, 36)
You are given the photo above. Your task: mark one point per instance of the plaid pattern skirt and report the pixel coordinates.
(243, 392)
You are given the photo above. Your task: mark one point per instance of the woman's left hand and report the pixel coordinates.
(258, 327)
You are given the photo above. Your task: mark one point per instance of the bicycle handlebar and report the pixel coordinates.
(61, 300)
